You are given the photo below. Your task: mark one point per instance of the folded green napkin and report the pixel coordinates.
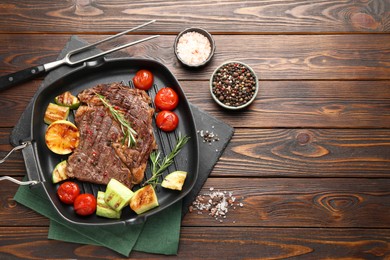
(159, 234)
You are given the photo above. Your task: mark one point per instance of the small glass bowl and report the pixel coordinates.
(204, 33)
(240, 88)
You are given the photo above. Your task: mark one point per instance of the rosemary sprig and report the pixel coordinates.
(158, 166)
(128, 132)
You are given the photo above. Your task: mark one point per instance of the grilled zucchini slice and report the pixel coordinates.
(174, 180)
(59, 172)
(55, 112)
(144, 199)
(68, 100)
(104, 210)
(117, 195)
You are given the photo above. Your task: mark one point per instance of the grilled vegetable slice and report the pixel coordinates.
(55, 112)
(68, 100)
(117, 195)
(144, 199)
(62, 137)
(174, 180)
(59, 172)
(103, 210)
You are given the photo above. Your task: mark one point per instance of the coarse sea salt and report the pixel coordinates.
(215, 203)
(193, 48)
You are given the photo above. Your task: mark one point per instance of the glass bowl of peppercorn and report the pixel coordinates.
(234, 85)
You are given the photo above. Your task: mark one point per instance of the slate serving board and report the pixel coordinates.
(209, 152)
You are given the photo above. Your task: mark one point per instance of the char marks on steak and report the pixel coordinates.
(102, 154)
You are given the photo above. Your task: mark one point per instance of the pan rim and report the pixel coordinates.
(194, 170)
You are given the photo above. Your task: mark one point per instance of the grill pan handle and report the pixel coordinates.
(30, 162)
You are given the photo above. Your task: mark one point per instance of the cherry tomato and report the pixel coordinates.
(68, 192)
(166, 99)
(143, 79)
(85, 204)
(167, 120)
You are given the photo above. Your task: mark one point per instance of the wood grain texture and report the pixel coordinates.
(301, 202)
(232, 17)
(269, 202)
(306, 153)
(15, 214)
(16, 100)
(308, 104)
(236, 243)
(273, 57)
(309, 159)
(274, 243)
(282, 153)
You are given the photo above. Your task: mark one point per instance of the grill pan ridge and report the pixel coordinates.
(108, 71)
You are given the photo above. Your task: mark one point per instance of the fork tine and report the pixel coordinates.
(105, 40)
(114, 49)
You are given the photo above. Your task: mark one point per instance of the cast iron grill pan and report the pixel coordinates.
(108, 71)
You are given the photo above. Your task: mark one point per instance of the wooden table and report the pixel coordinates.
(310, 157)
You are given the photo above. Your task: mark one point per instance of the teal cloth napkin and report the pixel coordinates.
(160, 234)
(152, 237)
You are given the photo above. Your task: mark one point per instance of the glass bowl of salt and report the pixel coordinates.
(194, 47)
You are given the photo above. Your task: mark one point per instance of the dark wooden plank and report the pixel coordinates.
(299, 202)
(307, 113)
(215, 243)
(272, 202)
(306, 153)
(310, 104)
(286, 243)
(280, 57)
(282, 152)
(241, 16)
(14, 165)
(16, 99)
(309, 160)
(324, 104)
(15, 214)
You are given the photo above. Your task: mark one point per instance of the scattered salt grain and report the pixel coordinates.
(193, 48)
(207, 136)
(215, 203)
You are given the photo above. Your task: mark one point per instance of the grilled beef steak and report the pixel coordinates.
(102, 153)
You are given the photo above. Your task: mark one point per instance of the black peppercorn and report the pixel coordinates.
(236, 84)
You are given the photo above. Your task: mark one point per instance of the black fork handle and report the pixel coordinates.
(13, 79)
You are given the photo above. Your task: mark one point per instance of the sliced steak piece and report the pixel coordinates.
(102, 153)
